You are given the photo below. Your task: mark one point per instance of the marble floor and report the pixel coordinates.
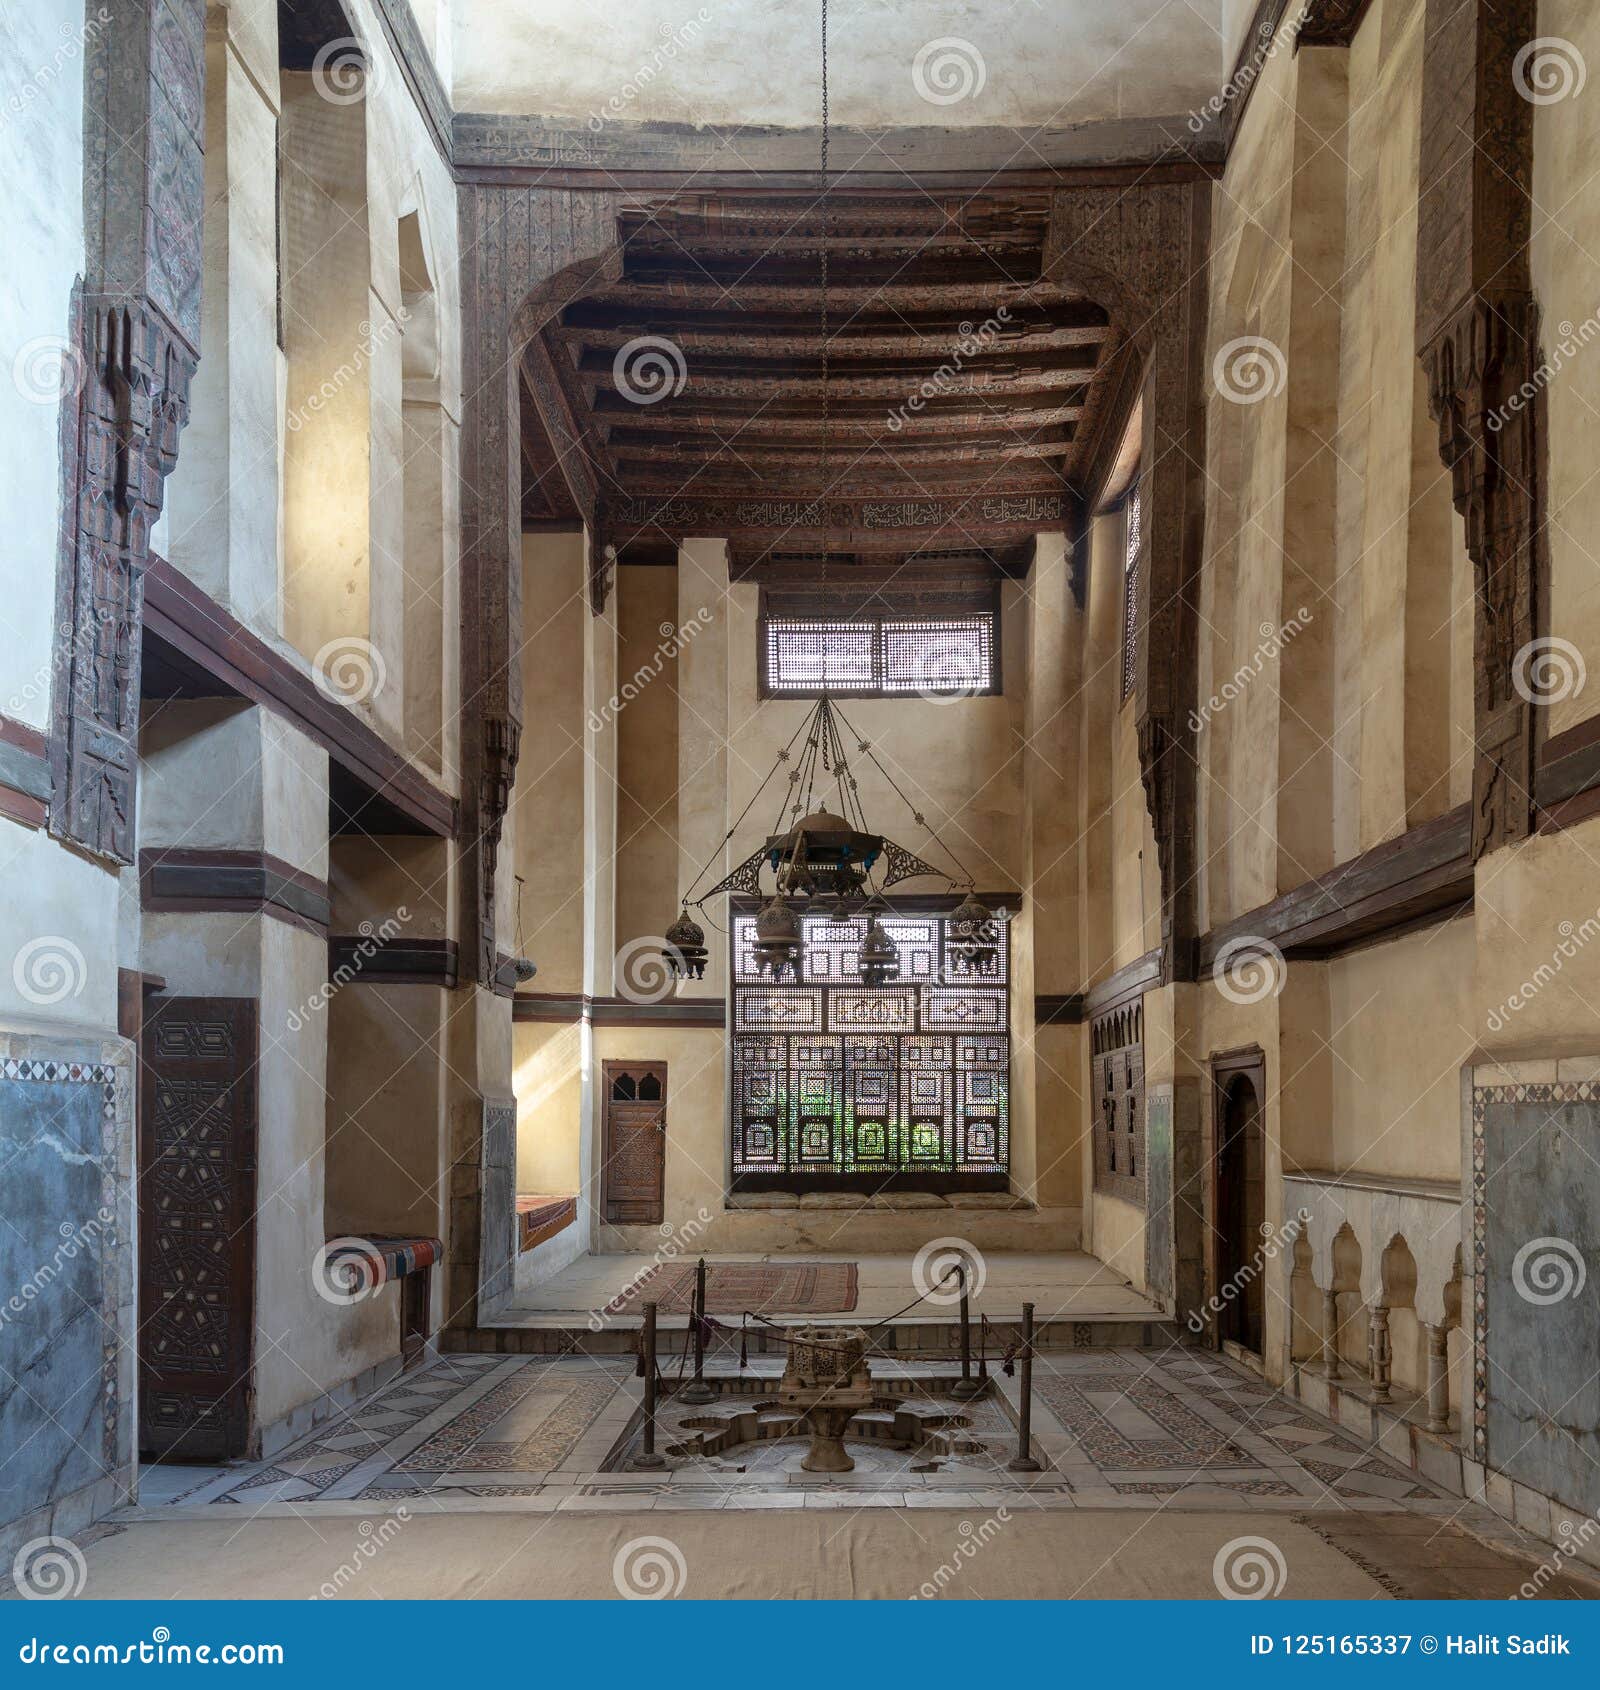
(1112, 1429)
(1164, 1472)
(1068, 1285)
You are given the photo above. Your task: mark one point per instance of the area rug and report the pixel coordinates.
(733, 1287)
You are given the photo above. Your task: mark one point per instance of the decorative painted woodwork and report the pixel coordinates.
(635, 1142)
(197, 1221)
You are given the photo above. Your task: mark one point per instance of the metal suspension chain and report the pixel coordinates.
(827, 228)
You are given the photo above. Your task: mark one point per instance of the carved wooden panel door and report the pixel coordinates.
(197, 1226)
(635, 1142)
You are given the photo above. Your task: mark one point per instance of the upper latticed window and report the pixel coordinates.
(1130, 589)
(883, 658)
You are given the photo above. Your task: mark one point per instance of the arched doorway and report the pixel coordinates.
(1239, 1207)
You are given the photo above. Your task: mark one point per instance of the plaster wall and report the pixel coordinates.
(547, 1074)
(547, 814)
(276, 800)
(435, 21)
(1537, 920)
(315, 494)
(1566, 281)
(41, 114)
(1395, 1088)
(957, 760)
(1119, 881)
(1117, 1236)
(647, 756)
(1332, 517)
(691, 741)
(659, 61)
(221, 512)
(386, 1086)
(58, 956)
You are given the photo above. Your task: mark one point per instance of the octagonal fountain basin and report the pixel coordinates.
(909, 1431)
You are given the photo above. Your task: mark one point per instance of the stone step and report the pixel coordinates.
(923, 1339)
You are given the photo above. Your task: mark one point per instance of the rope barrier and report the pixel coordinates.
(710, 1327)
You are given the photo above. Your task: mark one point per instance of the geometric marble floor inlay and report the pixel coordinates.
(1113, 1428)
(1201, 1423)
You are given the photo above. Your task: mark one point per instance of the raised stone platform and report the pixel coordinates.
(1079, 1303)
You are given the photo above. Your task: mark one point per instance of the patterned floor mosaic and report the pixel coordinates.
(1177, 1423)
(1112, 1427)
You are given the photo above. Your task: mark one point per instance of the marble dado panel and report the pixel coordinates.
(67, 1277)
(1532, 1130)
(497, 1216)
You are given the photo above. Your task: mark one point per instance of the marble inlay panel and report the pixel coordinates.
(1535, 1267)
(66, 1268)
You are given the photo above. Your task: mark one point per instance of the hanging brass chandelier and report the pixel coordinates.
(823, 860)
(827, 859)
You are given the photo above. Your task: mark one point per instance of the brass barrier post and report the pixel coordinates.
(1024, 1462)
(647, 1457)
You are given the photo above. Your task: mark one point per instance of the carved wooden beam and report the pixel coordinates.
(135, 335)
(1150, 252)
(921, 521)
(1478, 338)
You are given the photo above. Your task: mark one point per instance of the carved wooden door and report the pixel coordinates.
(197, 1226)
(635, 1142)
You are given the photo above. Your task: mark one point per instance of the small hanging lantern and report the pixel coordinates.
(972, 939)
(685, 950)
(777, 942)
(877, 962)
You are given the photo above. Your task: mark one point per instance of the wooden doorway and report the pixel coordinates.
(635, 1142)
(1238, 1191)
(197, 1227)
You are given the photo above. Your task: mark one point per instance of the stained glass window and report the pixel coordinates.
(834, 1078)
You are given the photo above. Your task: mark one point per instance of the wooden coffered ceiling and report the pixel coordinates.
(972, 401)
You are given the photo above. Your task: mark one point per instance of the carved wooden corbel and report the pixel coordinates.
(1478, 339)
(502, 740)
(1157, 767)
(133, 402)
(1480, 367)
(1329, 23)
